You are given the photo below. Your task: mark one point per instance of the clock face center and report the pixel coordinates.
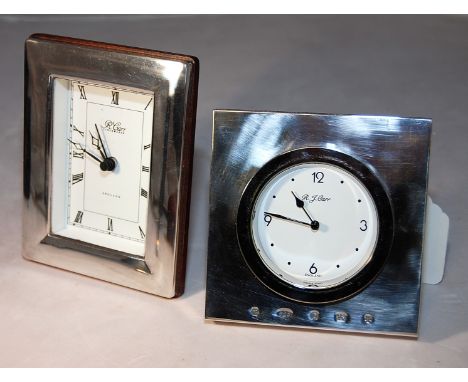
(108, 164)
(314, 225)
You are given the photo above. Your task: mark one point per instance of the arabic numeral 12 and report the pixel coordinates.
(318, 177)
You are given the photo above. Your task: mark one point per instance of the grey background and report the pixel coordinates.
(395, 65)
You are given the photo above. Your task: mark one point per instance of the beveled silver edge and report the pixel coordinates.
(314, 328)
(112, 47)
(371, 116)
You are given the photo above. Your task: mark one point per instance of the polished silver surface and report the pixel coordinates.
(170, 77)
(396, 149)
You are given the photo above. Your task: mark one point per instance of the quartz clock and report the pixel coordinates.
(322, 220)
(107, 162)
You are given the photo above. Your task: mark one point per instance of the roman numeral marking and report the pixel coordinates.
(115, 98)
(146, 107)
(79, 131)
(144, 193)
(142, 234)
(110, 226)
(144, 168)
(76, 154)
(146, 146)
(79, 217)
(82, 92)
(77, 178)
(77, 145)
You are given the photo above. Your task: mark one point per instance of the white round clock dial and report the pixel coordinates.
(314, 225)
(100, 196)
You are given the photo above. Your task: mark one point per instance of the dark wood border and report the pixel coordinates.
(186, 179)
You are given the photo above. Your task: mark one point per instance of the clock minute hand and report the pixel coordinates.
(286, 218)
(96, 143)
(108, 163)
(300, 204)
(102, 143)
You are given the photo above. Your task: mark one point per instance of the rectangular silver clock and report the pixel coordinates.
(108, 147)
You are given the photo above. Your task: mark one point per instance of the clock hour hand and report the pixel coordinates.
(300, 204)
(102, 164)
(81, 148)
(286, 218)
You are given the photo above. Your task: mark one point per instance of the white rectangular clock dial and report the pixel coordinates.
(101, 163)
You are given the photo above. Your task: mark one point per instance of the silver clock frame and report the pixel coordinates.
(173, 79)
(396, 149)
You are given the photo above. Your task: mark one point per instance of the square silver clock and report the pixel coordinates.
(317, 221)
(108, 148)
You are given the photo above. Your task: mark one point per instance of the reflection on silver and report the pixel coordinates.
(396, 149)
(284, 314)
(265, 141)
(172, 71)
(173, 79)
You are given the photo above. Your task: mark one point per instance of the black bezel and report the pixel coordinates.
(384, 242)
